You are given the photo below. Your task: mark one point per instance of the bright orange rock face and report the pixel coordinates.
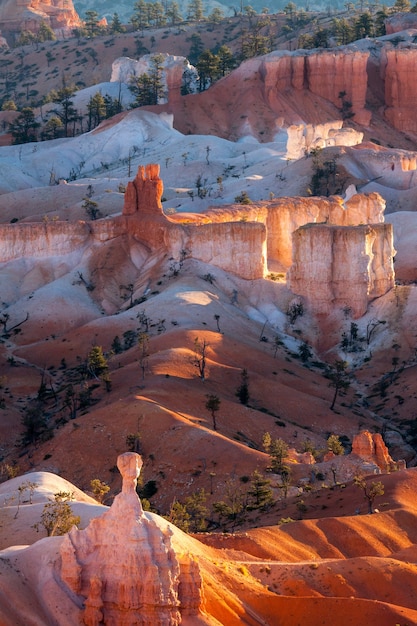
(17, 15)
(371, 447)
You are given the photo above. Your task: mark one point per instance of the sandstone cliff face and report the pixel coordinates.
(17, 15)
(324, 261)
(325, 73)
(122, 568)
(283, 216)
(371, 448)
(53, 238)
(335, 266)
(401, 88)
(244, 255)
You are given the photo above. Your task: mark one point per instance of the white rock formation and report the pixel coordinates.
(176, 71)
(337, 266)
(301, 138)
(122, 570)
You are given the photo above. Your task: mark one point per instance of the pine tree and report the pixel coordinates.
(140, 17)
(92, 24)
(96, 110)
(148, 88)
(338, 379)
(45, 33)
(208, 68)
(53, 128)
(278, 452)
(260, 492)
(334, 445)
(195, 10)
(24, 128)
(116, 25)
(213, 405)
(226, 61)
(57, 516)
(67, 114)
(174, 14)
(97, 364)
(242, 391)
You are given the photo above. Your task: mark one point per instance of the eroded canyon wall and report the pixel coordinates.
(338, 266)
(244, 254)
(326, 73)
(41, 240)
(333, 256)
(282, 216)
(401, 88)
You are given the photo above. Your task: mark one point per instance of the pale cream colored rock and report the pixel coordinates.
(256, 234)
(122, 568)
(338, 266)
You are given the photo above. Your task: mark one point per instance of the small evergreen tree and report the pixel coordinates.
(179, 516)
(92, 23)
(116, 25)
(53, 128)
(91, 208)
(45, 33)
(97, 364)
(213, 405)
(260, 493)
(335, 445)
(195, 505)
(57, 516)
(148, 88)
(35, 424)
(99, 489)
(96, 107)
(278, 452)
(242, 391)
(338, 379)
(25, 127)
(370, 491)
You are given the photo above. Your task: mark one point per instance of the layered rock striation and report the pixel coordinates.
(245, 254)
(282, 217)
(338, 266)
(401, 88)
(326, 73)
(337, 250)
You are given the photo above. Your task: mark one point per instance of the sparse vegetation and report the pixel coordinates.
(371, 490)
(242, 391)
(99, 489)
(57, 517)
(213, 405)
